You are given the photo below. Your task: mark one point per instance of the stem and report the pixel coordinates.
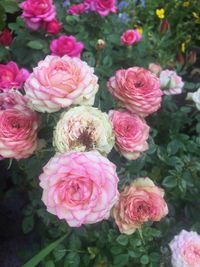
(141, 235)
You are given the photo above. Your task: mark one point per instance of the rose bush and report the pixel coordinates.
(91, 209)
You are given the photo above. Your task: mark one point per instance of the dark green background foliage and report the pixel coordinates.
(172, 162)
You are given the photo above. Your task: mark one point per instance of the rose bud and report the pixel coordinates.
(101, 44)
(6, 37)
(164, 26)
(192, 57)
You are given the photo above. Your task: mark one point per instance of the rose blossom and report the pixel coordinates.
(52, 27)
(170, 82)
(131, 133)
(80, 187)
(102, 7)
(137, 89)
(185, 249)
(77, 9)
(6, 37)
(66, 45)
(37, 11)
(140, 202)
(12, 99)
(11, 76)
(155, 68)
(19, 127)
(195, 97)
(131, 37)
(83, 129)
(60, 82)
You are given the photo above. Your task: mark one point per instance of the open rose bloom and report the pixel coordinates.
(59, 82)
(80, 187)
(185, 249)
(102, 7)
(170, 82)
(66, 45)
(131, 37)
(19, 127)
(11, 77)
(35, 12)
(137, 89)
(131, 133)
(83, 129)
(140, 202)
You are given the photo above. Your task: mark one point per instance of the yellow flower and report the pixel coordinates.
(196, 16)
(183, 47)
(186, 3)
(139, 29)
(160, 13)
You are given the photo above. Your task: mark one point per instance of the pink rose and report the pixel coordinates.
(6, 37)
(52, 27)
(19, 127)
(170, 82)
(11, 76)
(37, 11)
(137, 89)
(155, 68)
(60, 82)
(12, 99)
(102, 7)
(131, 37)
(140, 202)
(185, 249)
(66, 45)
(131, 133)
(77, 9)
(80, 187)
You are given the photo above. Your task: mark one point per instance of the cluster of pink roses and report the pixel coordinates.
(80, 185)
(138, 92)
(37, 13)
(102, 7)
(170, 82)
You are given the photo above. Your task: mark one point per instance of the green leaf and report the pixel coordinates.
(59, 252)
(10, 6)
(43, 253)
(121, 260)
(72, 260)
(122, 240)
(27, 224)
(169, 182)
(36, 44)
(49, 264)
(144, 259)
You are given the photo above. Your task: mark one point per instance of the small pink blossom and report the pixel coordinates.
(66, 45)
(155, 68)
(52, 27)
(185, 249)
(131, 133)
(102, 7)
(11, 76)
(80, 187)
(131, 37)
(77, 9)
